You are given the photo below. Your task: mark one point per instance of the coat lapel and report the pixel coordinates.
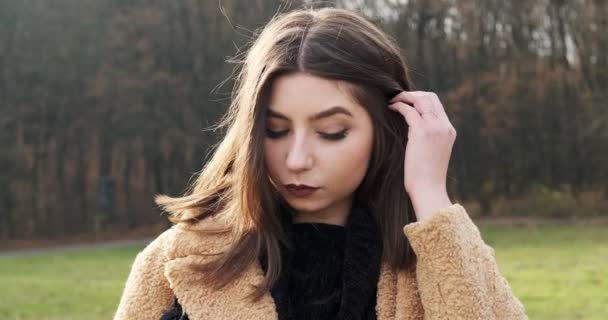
(200, 301)
(197, 297)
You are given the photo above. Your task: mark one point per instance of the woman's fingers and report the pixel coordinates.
(411, 115)
(423, 102)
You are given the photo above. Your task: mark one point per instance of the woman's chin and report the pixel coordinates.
(302, 205)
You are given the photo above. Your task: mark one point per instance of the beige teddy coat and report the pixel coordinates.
(456, 277)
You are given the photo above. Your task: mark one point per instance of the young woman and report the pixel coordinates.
(326, 199)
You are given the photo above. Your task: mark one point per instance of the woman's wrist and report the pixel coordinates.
(426, 202)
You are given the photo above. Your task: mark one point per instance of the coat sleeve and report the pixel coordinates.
(147, 294)
(456, 272)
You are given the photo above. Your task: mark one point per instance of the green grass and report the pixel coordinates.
(559, 272)
(84, 284)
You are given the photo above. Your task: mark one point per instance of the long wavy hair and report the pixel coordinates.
(234, 185)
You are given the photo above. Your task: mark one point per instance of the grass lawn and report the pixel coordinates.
(559, 272)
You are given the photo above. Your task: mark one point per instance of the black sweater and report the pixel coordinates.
(315, 271)
(329, 271)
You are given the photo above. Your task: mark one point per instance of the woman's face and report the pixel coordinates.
(316, 135)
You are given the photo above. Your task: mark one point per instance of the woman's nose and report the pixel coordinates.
(299, 157)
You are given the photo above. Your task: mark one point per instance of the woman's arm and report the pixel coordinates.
(147, 294)
(457, 273)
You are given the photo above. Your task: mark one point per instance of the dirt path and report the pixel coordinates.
(75, 247)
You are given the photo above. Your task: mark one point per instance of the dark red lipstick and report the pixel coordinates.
(300, 190)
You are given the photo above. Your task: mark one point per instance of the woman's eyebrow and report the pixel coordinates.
(323, 114)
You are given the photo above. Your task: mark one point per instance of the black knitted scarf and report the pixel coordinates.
(360, 270)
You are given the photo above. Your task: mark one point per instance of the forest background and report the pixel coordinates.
(104, 104)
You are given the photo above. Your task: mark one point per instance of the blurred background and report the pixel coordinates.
(104, 103)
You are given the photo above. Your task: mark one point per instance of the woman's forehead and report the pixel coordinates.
(310, 97)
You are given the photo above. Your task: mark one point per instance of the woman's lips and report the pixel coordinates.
(300, 191)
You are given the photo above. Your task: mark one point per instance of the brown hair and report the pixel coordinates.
(332, 43)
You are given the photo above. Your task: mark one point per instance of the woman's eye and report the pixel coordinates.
(328, 136)
(275, 134)
(335, 136)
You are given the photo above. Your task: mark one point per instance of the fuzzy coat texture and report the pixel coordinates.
(456, 277)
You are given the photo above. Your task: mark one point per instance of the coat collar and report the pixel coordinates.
(187, 249)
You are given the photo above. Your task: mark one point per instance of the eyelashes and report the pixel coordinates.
(275, 134)
(327, 136)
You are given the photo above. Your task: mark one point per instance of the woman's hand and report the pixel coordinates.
(427, 153)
